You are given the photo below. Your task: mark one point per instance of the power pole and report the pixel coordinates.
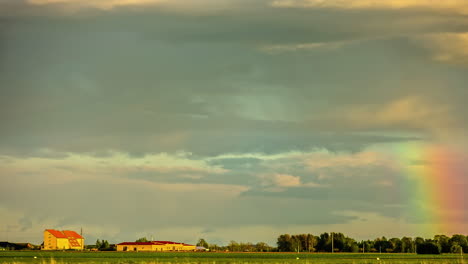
(333, 248)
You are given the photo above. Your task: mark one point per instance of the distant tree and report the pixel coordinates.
(461, 240)
(296, 243)
(98, 244)
(455, 248)
(233, 246)
(311, 243)
(324, 243)
(302, 241)
(246, 247)
(284, 243)
(407, 245)
(350, 245)
(262, 247)
(382, 245)
(428, 247)
(142, 239)
(417, 242)
(105, 245)
(396, 245)
(202, 243)
(339, 241)
(444, 242)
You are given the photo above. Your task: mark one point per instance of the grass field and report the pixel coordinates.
(58, 257)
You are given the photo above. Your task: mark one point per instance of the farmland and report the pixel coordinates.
(42, 257)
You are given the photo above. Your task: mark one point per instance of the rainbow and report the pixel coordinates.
(436, 185)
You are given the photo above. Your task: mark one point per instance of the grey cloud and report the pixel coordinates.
(157, 80)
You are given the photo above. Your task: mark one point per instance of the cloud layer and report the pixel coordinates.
(250, 109)
(450, 5)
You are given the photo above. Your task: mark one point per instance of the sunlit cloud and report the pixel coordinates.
(321, 160)
(411, 112)
(200, 5)
(454, 5)
(278, 182)
(281, 48)
(77, 166)
(449, 48)
(106, 4)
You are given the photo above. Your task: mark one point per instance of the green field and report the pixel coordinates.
(42, 257)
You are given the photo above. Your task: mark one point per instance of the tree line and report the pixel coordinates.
(338, 242)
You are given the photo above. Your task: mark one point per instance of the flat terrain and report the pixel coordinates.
(59, 257)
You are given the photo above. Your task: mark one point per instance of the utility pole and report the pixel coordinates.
(333, 248)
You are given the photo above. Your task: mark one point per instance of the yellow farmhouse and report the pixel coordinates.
(59, 240)
(155, 246)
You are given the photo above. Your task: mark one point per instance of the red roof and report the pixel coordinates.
(152, 243)
(73, 242)
(140, 243)
(167, 242)
(64, 234)
(72, 234)
(56, 233)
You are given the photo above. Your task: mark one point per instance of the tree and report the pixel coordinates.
(396, 245)
(350, 245)
(428, 247)
(203, 243)
(262, 247)
(98, 244)
(444, 242)
(382, 245)
(104, 245)
(460, 240)
(324, 242)
(284, 243)
(296, 243)
(311, 242)
(339, 242)
(455, 248)
(417, 242)
(142, 239)
(233, 246)
(407, 245)
(368, 246)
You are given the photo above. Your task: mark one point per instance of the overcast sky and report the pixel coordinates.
(233, 119)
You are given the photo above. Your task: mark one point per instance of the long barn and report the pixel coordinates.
(155, 246)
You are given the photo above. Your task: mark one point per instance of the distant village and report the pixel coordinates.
(71, 240)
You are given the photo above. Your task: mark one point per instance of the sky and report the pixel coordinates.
(233, 119)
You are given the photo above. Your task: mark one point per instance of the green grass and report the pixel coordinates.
(59, 257)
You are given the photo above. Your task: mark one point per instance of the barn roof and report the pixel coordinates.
(139, 243)
(64, 233)
(73, 234)
(56, 233)
(152, 243)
